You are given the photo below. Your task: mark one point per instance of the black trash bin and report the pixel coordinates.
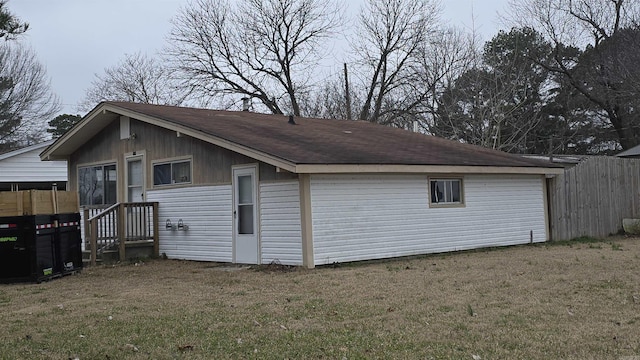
(36, 248)
(15, 261)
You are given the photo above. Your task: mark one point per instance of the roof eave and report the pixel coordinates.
(433, 169)
(53, 151)
(62, 148)
(26, 149)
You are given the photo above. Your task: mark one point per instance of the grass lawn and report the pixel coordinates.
(577, 300)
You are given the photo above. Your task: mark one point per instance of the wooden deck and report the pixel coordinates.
(120, 227)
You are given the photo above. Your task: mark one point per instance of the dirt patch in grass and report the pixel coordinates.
(576, 300)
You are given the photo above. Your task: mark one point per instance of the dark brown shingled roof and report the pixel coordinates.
(324, 141)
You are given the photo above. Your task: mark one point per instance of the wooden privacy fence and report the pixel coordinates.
(37, 202)
(592, 198)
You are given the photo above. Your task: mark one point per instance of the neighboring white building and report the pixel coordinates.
(256, 188)
(634, 152)
(22, 169)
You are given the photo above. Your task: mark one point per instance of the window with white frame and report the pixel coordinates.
(446, 191)
(97, 184)
(172, 172)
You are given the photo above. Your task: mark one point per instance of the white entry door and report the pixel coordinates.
(245, 232)
(135, 222)
(135, 179)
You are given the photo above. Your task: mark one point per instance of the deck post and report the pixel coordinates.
(122, 236)
(156, 241)
(87, 232)
(93, 225)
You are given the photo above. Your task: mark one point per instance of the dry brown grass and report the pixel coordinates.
(579, 301)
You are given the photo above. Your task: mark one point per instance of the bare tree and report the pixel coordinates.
(578, 25)
(25, 95)
(329, 100)
(10, 26)
(261, 49)
(389, 37)
(444, 57)
(501, 102)
(575, 22)
(404, 61)
(137, 78)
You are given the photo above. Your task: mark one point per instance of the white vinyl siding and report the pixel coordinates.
(207, 212)
(24, 165)
(357, 217)
(280, 231)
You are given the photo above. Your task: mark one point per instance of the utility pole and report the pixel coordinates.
(346, 92)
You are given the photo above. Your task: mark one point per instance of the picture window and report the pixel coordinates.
(97, 184)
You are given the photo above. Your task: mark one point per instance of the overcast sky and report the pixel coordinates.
(76, 39)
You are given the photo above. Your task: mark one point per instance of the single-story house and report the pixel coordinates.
(22, 169)
(255, 188)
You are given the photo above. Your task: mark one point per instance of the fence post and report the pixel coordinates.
(122, 236)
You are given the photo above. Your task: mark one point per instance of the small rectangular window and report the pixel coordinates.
(173, 172)
(446, 191)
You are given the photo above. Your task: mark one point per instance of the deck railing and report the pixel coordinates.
(121, 224)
